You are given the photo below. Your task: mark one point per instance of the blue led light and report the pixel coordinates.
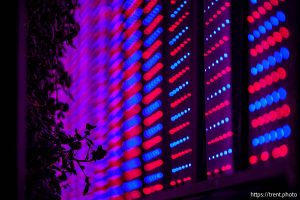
(131, 164)
(153, 84)
(180, 114)
(182, 167)
(153, 130)
(132, 59)
(151, 62)
(153, 37)
(132, 142)
(225, 152)
(277, 58)
(151, 108)
(280, 16)
(178, 35)
(269, 99)
(134, 17)
(217, 61)
(272, 136)
(153, 177)
(135, 99)
(132, 185)
(179, 141)
(218, 92)
(267, 26)
(155, 11)
(218, 123)
(177, 89)
(253, 1)
(212, 4)
(179, 61)
(219, 28)
(152, 154)
(178, 9)
(133, 121)
(134, 38)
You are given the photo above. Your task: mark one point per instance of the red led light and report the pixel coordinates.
(132, 111)
(132, 153)
(283, 150)
(278, 113)
(153, 141)
(180, 46)
(115, 181)
(178, 22)
(129, 11)
(178, 128)
(133, 48)
(215, 15)
(153, 165)
(132, 174)
(132, 90)
(273, 77)
(152, 49)
(264, 156)
(250, 19)
(219, 75)
(216, 45)
(153, 71)
(132, 28)
(153, 24)
(132, 70)
(179, 74)
(274, 2)
(220, 138)
(284, 32)
(133, 131)
(151, 189)
(114, 163)
(151, 96)
(179, 181)
(208, 174)
(218, 107)
(153, 118)
(180, 100)
(180, 154)
(134, 195)
(253, 160)
(117, 198)
(262, 10)
(173, 183)
(149, 6)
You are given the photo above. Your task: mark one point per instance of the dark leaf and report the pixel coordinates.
(76, 145)
(90, 127)
(63, 176)
(87, 185)
(99, 153)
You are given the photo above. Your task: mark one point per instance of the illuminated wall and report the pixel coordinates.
(179, 93)
(217, 69)
(270, 81)
(133, 76)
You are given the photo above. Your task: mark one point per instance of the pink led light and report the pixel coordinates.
(149, 6)
(153, 165)
(134, 5)
(271, 41)
(132, 153)
(149, 29)
(216, 45)
(220, 138)
(153, 118)
(180, 100)
(152, 49)
(269, 79)
(218, 107)
(219, 75)
(276, 114)
(132, 174)
(181, 153)
(180, 46)
(179, 74)
(179, 127)
(132, 28)
(151, 96)
(153, 71)
(151, 189)
(217, 13)
(178, 22)
(152, 142)
(133, 131)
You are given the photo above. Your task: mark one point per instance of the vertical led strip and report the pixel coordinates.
(152, 93)
(269, 97)
(217, 69)
(132, 88)
(179, 90)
